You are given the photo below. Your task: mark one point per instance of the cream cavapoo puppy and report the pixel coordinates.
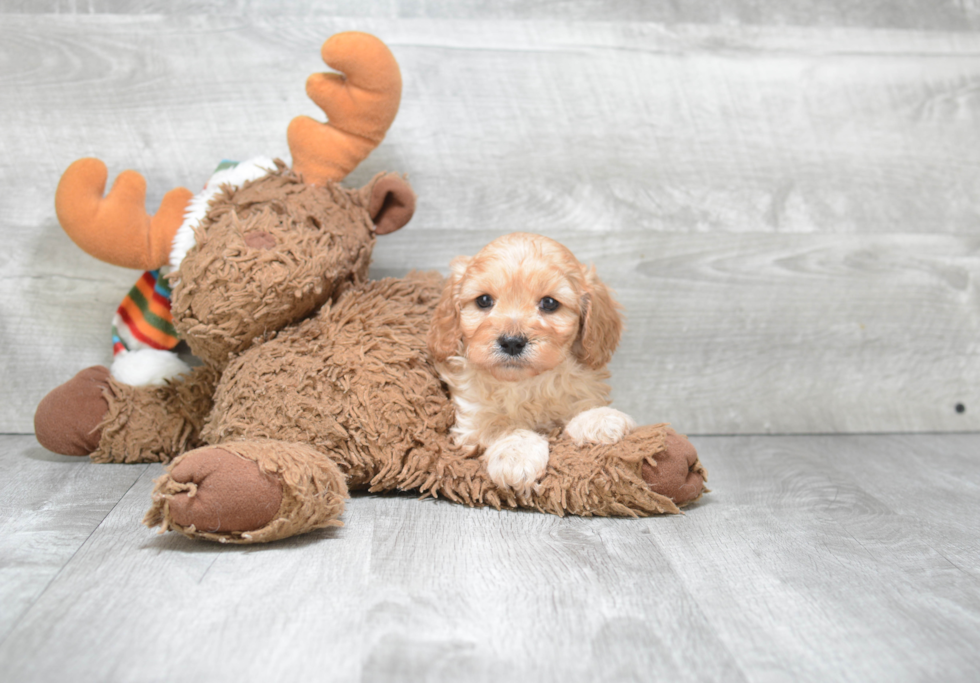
(522, 335)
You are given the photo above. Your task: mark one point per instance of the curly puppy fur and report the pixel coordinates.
(521, 336)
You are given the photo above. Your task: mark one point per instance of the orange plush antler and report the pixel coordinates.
(360, 107)
(116, 228)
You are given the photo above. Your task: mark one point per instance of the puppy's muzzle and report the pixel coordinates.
(512, 346)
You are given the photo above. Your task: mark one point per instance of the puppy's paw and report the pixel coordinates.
(599, 425)
(517, 460)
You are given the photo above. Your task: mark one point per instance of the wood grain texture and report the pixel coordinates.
(762, 333)
(843, 541)
(845, 558)
(790, 214)
(49, 507)
(948, 15)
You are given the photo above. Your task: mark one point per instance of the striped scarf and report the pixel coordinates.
(143, 319)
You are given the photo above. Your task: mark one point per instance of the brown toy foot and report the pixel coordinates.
(651, 471)
(248, 492)
(67, 419)
(679, 474)
(225, 492)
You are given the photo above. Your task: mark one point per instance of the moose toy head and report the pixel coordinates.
(261, 246)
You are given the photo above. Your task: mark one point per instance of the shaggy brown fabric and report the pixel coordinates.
(599, 480)
(312, 487)
(228, 292)
(356, 383)
(67, 419)
(155, 423)
(259, 239)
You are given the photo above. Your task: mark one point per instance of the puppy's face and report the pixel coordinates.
(520, 307)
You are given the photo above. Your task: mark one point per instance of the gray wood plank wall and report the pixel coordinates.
(947, 15)
(785, 195)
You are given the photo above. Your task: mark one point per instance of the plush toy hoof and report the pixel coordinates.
(67, 419)
(249, 492)
(679, 474)
(225, 492)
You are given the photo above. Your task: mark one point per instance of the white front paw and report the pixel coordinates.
(599, 425)
(517, 460)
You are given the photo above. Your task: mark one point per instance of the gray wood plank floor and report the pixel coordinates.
(843, 558)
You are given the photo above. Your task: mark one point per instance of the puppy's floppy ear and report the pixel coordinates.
(445, 334)
(602, 324)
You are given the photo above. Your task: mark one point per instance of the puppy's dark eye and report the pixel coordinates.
(549, 304)
(484, 301)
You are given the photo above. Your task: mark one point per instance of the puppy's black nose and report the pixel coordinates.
(512, 346)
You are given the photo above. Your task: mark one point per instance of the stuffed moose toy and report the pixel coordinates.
(312, 381)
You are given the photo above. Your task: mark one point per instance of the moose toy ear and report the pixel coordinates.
(390, 202)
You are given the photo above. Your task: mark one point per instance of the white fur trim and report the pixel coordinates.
(235, 177)
(147, 367)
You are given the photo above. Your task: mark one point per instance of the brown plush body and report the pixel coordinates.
(317, 382)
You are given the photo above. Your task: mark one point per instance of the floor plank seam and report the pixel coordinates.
(721, 638)
(81, 545)
(200, 581)
(965, 572)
